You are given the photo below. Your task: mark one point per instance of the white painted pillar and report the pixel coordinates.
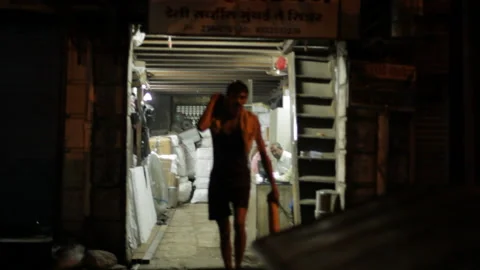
(341, 100)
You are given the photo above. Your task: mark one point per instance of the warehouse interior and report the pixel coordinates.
(175, 77)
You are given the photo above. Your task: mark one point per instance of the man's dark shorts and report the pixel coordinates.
(222, 194)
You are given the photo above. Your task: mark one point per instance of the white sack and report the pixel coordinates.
(175, 140)
(205, 153)
(134, 161)
(159, 183)
(206, 133)
(190, 157)
(204, 163)
(201, 183)
(190, 135)
(206, 143)
(143, 203)
(149, 183)
(172, 159)
(203, 167)
(184, 191)
(200, 196)
(183, 179)
(181, 160)
(133, 235)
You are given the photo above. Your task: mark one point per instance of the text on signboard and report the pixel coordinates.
(245, 16)
(394, 72)
(227, 29)
(300, 1)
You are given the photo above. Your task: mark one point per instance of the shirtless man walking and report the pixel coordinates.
(233, 131)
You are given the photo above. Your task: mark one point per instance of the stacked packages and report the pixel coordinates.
(141, 209)
(204, 165)
(162, 167)
(169, 172)
(174, 161)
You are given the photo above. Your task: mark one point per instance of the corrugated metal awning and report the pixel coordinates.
(205, 65)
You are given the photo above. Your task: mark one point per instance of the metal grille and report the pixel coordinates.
(191, 112)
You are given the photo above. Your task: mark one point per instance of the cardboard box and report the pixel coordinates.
(170, 177)
(161, 145)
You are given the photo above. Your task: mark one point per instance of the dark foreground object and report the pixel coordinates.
(426, 229)
(26, 256)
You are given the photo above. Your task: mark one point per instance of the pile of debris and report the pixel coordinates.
(77, 257)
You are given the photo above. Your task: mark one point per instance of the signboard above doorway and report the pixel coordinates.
(376, 85)
(245, 18)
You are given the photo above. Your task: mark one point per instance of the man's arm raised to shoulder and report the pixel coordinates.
(267, 164)
(206, 120)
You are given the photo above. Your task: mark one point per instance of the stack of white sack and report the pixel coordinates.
(184, 185)
(202, 174)
(179, 169)
(180, 160)
(206, 141)
(162, 166)
(187, 142)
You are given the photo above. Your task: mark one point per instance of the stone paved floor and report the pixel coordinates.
(191, 241)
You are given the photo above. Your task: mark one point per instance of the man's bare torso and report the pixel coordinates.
(226, 126)
(230, 159)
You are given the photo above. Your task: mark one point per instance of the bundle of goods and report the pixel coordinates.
(184, 186)
(184, 189)
(190, 135)
(206, 141)
(188, 139)
(161, 145)
(172, 162)
(190, 157)
(202, 174)
(179, 151)
(168, 166)
(141, 212)
(159, 173)
(162, 148)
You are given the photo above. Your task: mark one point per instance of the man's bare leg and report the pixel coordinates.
(240, 235)
(225, 246)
